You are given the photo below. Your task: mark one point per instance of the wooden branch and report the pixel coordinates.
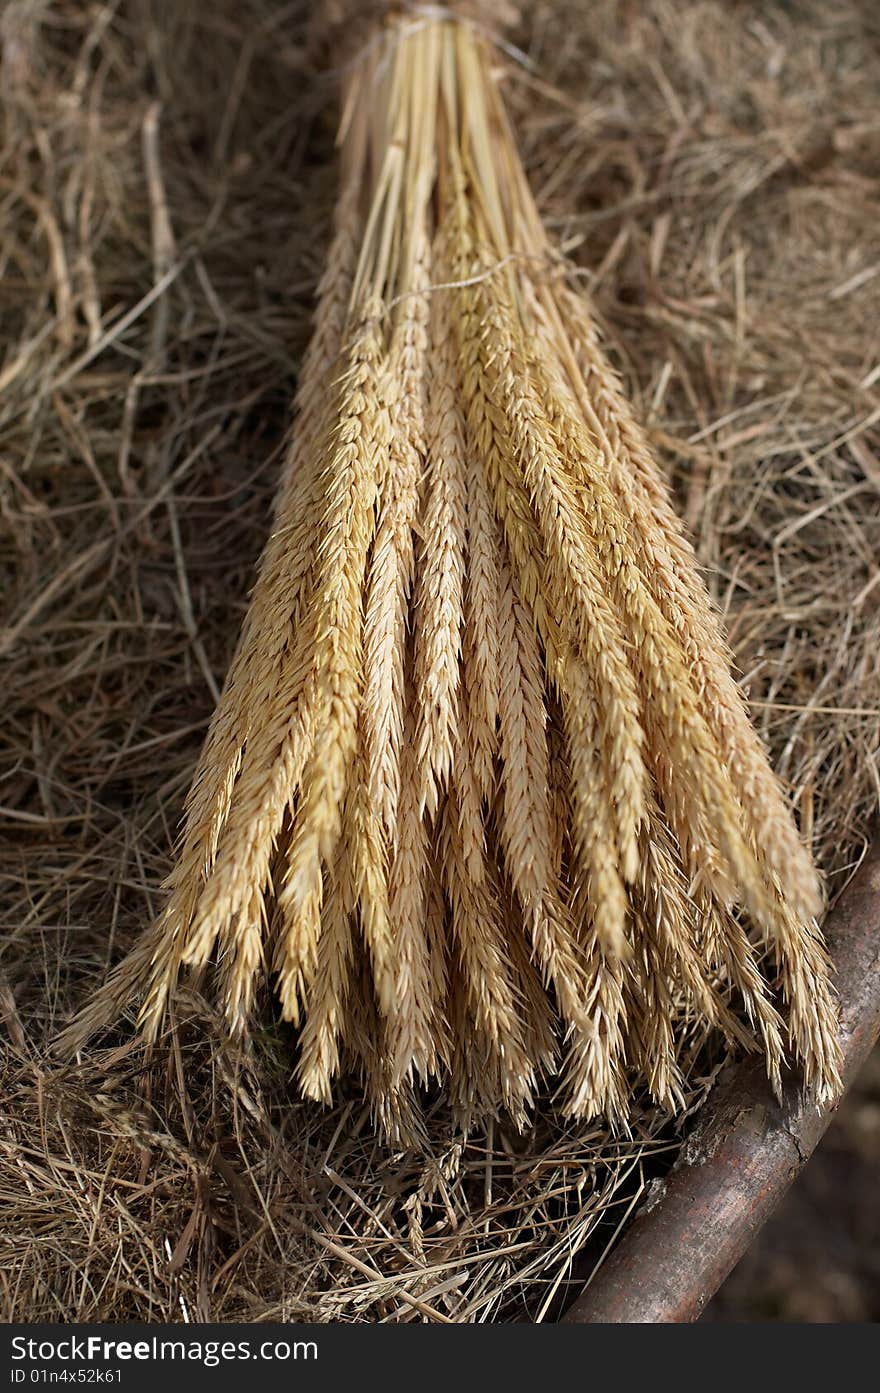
(744, 1154)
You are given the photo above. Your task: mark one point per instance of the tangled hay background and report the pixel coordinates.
(165, 184)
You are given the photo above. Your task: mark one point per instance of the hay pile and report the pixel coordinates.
(713, 169)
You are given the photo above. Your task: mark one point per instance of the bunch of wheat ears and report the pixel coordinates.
(481, 794)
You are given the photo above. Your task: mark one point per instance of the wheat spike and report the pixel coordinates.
(670, 560)
(391, 568)
(439, 604)
(352, 474)
(414, 1025)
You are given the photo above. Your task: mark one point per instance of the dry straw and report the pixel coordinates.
(481, 795)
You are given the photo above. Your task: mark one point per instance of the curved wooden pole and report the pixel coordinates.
(745, 1152)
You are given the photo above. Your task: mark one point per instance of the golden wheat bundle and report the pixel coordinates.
(481, 796)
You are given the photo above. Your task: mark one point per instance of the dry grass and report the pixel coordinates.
(719, 165)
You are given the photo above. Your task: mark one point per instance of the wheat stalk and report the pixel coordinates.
(481, 793)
